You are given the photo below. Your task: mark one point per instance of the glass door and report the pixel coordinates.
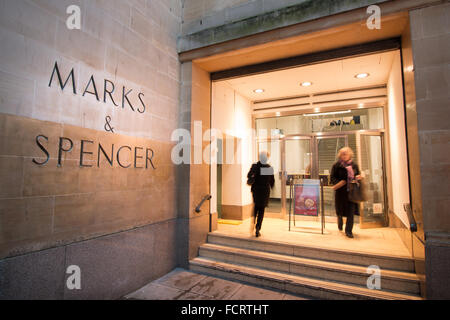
(327, 150)
(273, 146)
(312, 157)
(297, 163)
(371, 162)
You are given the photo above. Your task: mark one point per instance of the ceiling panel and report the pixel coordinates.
(329, 76)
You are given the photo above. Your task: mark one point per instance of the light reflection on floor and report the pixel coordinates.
(378, 240)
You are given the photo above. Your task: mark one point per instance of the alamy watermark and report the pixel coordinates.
(191, 149)
(374, 281)
(73, 282)
(74, 19)
(374, 20)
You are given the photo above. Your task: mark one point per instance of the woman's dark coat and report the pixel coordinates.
(263, 181)
(342, 204)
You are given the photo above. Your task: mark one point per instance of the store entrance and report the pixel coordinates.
(303, 116)
(311, 156)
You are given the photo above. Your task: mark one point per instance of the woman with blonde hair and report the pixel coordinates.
(262, 179)
(344, 171)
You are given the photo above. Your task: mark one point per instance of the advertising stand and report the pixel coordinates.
(306, 199)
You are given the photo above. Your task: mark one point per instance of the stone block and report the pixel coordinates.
(112, 266)
(198, 231)
(141, 24)
(154, 291)
(29, 20)
(117, 9)
(81, 46)
(58, 7)
(74, 214)
(11, 175)
(432, 114)
(165, 247)
(139, 5)
(252, 293)
(22, 220)
(436, 79)
(440, 147)
(37, 276)
(215, 288)
(432, 51)
(435, 20)
(181, 280)
(244, 10)
(50, 179)
(17, 94)
(437, 271)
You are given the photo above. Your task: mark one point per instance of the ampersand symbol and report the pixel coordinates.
(108, 126)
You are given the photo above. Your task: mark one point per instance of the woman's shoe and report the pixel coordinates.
(348, 234)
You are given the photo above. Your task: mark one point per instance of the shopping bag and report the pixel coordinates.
(357, 191)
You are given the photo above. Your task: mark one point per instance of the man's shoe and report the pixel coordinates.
(350, 235)
(340, 228)
(258, 234)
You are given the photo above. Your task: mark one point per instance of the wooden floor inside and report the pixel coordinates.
(385, 241)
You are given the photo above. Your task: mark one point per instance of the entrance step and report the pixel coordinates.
(292, 283)
(322, 273)
(395, 281)
(364, 259)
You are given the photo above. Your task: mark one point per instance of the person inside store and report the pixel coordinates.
(343, 172)
(262, 179)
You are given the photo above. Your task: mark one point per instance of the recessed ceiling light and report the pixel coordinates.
(258, 90)
(362, 75)
(306, 84)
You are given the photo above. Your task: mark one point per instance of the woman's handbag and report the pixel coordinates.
(357, 191)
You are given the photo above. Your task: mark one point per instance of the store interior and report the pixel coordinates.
(303, 116)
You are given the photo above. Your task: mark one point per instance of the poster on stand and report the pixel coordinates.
(306, 198)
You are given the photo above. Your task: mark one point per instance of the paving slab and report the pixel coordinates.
(181, 279)
(254, 293)
(216, 288)
(154, 291)
(182, 284)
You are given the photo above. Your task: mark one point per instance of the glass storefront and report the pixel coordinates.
(351, 120)
(306, 146)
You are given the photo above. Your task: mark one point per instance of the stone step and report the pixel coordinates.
(395, 281)
(294, 284)
(384, 261)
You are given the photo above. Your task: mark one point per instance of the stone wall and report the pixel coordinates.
(203, 14)
(207, 22)
(430, 33)
(108, 210)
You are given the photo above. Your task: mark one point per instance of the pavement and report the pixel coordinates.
(181, 284)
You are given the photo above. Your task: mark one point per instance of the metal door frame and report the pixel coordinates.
(374, 133)
(314, 139)
(308, 137)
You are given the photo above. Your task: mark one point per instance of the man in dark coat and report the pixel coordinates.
(343, 172)
(262, 179)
